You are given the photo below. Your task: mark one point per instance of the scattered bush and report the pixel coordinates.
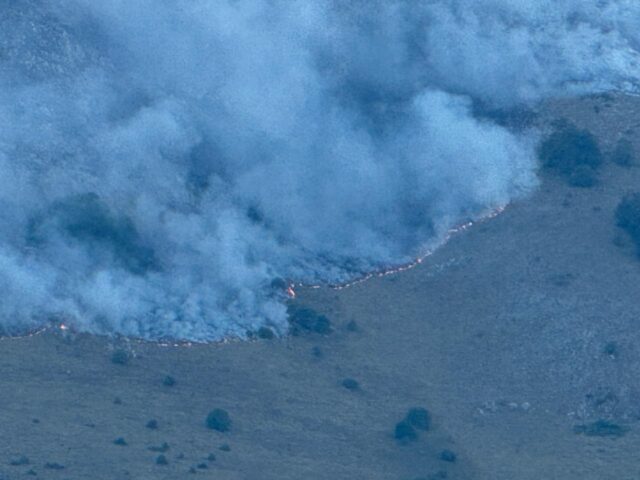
(120, 357)
(117, 401)
(168, 381)
(623, 153)
(352, 326)
(350, 384)
(303, 319)
(219, 420)
(573, 154)
(583, 177)
(601, 428)
(203, 466)
(448, 456)
(266, 333)
(211, 457)
(161, 449)
(225, 447)
(317, 352)
(152, 424)
(419, 418)
(611, 349)
(18, 462)
(54, 466)
(404, 432)
(161, 460)
(120, 441)
(628, 217)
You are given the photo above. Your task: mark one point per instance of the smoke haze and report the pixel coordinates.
(163, 162)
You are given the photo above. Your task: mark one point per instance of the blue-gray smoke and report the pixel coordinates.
(162, 162)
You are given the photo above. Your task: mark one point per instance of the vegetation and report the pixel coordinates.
(161, 460)
(304, 319)
(225, 447)
(448, 456)
(161, 449)
(623, 153)
(219, 420)
(152, 424)
(628, 217)
(120, 441)
(168, 381)
(17, 462)
(266, 333)
(404, 432)
(601, 428)
(573, 154)
(352, 326)
(120, 357)
(419, 418)
(350, 384)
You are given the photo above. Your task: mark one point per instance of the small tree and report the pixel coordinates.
(219, 420)
(572, 153)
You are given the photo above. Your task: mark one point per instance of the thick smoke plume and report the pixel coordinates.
(162, 162)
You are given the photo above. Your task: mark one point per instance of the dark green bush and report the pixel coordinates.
(350, 384)
(152, 424)
(120, 441)
(168, 381)
(161, 449)
(218, 420)
(17, 462)
(162, 460)
(304, 319)
(419, 418)
(601, 428)
(266, 333)
(404, 432)
(627, 217)
(623, 153)
(448, 456)
(120, 357)
(571, 153)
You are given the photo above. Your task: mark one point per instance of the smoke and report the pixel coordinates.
(164, 163)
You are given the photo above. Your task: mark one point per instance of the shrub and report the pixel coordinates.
(120, 357)
(628, 217)
(120, 441)
(611, 349)
(161, 460)
(168, 381)
(601, 428)
(211, 457)
(161, 449)
(350, 384)
(583, 177)
(571, 153)
(419, 418)
(448, 456)
(219, 420)
(306, 319)
(225, 447)
(623, 153)
(202, 466)
(266, 333)
(352, 326)
(54, 466)
(152, 424)
(404, 432)
(17, 462)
